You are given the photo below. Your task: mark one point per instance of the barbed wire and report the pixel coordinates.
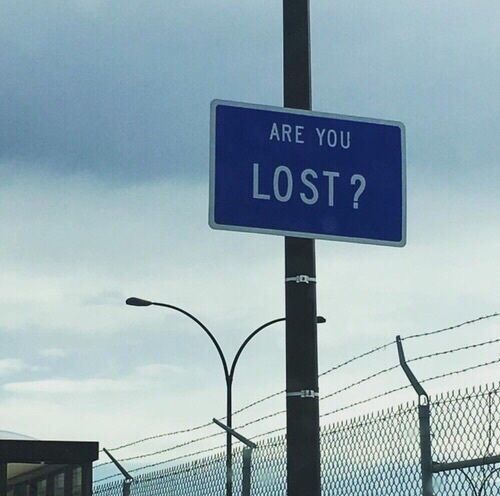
(356, 358)
(391, 391)
(156, 464)
(388, 369)
(192, 441)
(276, 441)
(453, 350)
(260, 419)
(416, 359)
(386, 393)
(198, 464)
(334, 393)
(248, 406)
(383, 347)
(361, 381)
(265, 398)
(158, 436)
(267, 433)
(165, 450)
(450, 328)
(326, 372)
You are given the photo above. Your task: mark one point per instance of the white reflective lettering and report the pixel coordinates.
(321, 133)
(274, 132)
(286, 130)
(276, 183)
(361, 181)
(331, 183)
(256, 194)
(347, 144)
(298, 134)
(331, 137)
(304, 177)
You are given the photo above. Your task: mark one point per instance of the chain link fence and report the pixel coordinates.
(373, 455)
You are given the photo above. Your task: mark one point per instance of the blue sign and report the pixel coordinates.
(307, 174)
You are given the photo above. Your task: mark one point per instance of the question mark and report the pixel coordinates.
(358, 178)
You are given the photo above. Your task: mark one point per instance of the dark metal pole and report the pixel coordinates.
(424, 416)
(68, 481)
(87, 479)
(246, 482)
(229, 383)
(3, 478)
(424, 422)
(228, 373)
(249, 338)
(229, 414)
(126, 487)
(229, 438)
(229, 403)
(303, 440)
(200, 324)
(247, 455)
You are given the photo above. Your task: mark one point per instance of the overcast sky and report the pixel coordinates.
(104, 130)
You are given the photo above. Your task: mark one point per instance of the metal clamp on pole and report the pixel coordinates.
(424, 417)
(305, 393)
(302, 278)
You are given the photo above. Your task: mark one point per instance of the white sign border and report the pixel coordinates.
(211, 209)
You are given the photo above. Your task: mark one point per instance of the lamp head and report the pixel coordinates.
(138, 302)
(320, 319)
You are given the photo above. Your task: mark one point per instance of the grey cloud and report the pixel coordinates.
(65, 386)
(123, 93)
(10, 366)
(121, 90)
(53, 353)
(108, 297)
(428, 64)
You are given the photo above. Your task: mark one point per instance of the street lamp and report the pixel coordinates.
(228, 372)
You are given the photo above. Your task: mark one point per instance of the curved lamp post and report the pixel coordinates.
(228, 371)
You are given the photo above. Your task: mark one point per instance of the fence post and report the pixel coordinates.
(87, 479)
(424, 417)
(128, 479)
(247, 471)
(3, 478)
(247, 456)
(126, 487)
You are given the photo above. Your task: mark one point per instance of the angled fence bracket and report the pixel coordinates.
(424, 417)
(428, 467)
(461, 464)
(473, 462)
(128, 478)
(247, 457)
